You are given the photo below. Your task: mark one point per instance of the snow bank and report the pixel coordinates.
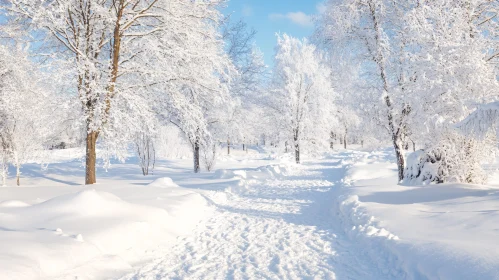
(423, 232)
(274, 171)
(245, 178)
(376, 241)
(92, 233)
(164, 182)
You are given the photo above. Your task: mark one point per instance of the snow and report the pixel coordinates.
(445, 231)
(77, 229)
(339, 217)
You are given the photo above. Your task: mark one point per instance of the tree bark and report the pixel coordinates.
(228, 146)
(345, 141)
(91, 157)
(331, 143)
(297, 146)
(297, 152)
(197, 167)
(400, 159)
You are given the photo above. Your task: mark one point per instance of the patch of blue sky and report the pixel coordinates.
(268, 17)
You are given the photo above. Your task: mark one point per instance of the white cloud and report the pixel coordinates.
(299, 18)
(247, 11)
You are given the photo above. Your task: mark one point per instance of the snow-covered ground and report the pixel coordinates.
(446, 231)
(257, 216)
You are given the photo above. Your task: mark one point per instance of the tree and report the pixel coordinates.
(237, 120)
(97, 37)
(139, 57)
(24, 108)
(301, 92)
(189, 71)
(372, 26)
(425, 60)
(144, 145)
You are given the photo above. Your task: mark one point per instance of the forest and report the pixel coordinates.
(417, 75)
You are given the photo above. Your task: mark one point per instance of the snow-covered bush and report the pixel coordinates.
(453, 158)
(209, 152)
(144, 145)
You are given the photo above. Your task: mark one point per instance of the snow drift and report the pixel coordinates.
(93, 232)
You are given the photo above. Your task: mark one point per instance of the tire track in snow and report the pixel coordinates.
(277, 229)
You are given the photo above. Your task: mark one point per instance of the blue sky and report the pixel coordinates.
(270, 16)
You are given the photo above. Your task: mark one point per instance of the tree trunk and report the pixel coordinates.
(228, 147)
(297, 152)
(297, 146)
(91, 158)
(345, 141)
(400, 159)
(243, 147)
(197, 167)
(331, 143)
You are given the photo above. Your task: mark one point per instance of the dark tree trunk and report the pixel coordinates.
(297, 146)
(91, 158)
(400, 159)
(345, 141)
(197, 167)
(331, 143)
(297, 152)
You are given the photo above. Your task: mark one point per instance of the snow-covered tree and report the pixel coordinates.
(423, 64)
(237, 123)
(139, 58)
(370, 29)
(189, 71)
(98, 38)
(301, 92)
(25, 108)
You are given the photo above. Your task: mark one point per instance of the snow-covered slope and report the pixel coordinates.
(91, 231)
(446, 231)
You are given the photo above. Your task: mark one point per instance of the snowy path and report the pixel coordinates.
(276, 229)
